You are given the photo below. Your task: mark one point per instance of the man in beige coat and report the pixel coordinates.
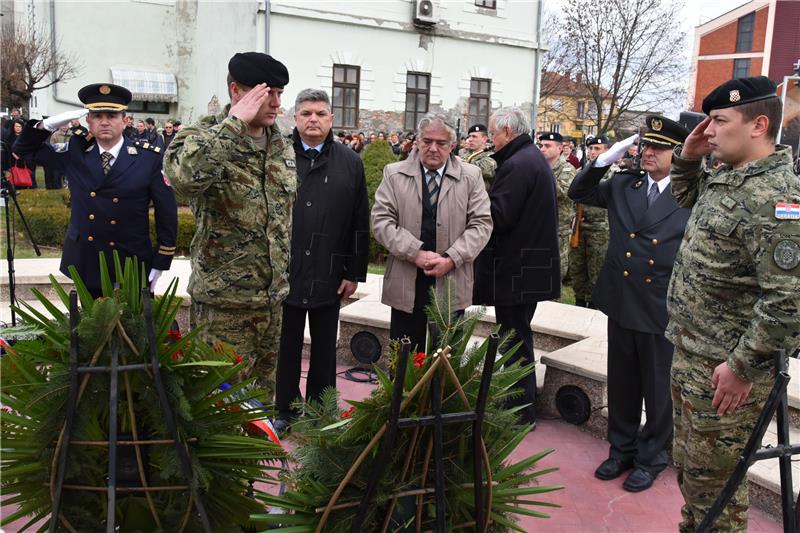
(432, 213)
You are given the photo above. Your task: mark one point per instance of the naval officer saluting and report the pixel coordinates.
(646, 228)
(112, 182)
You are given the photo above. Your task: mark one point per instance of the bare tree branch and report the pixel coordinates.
(629, 53)
(30, 63)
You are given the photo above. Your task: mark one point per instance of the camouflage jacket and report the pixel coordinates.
(242, 198)
(735, 289)
(483, 160)
(564, 173)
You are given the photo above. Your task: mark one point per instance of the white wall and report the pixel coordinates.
(195, 39)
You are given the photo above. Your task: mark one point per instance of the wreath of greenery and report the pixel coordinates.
(336, 450)
(211, 423)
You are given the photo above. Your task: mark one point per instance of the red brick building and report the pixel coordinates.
(761, 37)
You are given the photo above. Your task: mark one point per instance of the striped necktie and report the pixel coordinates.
(433, 187)
(106, 157)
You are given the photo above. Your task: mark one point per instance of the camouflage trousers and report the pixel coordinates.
(254, 334)
(563, 249)
(706, 447)
(586, 260)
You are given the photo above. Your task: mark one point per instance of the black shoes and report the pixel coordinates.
(282, 427)
(639, 480)
(612, 468)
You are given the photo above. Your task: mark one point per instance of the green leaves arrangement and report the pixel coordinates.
(210, 422)
(330, 442)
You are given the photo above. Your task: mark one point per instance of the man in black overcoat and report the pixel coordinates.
(646, 229)
(520, 265)
(330, 251)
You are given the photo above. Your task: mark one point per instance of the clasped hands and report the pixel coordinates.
(433, 264)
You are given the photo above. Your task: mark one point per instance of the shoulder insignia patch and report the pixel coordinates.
(132, 150)
(148, 146)
(786, 254)
(728, 202)
(637, 184)
(290, 163)
(784, 211)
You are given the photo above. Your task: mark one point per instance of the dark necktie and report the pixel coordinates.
(312, 153)
(106, 157)
(652, 196)
(433, 187)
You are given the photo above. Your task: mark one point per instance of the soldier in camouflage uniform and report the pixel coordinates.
(550, 145)
(238, 173)
(735, 290)
(589, 240)
(479, 153)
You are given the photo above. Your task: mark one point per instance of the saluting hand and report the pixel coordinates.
(248, 107)
(696, 144)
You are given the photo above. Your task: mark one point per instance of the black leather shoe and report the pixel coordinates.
(612, 468)
(282, 427)
(639, 480)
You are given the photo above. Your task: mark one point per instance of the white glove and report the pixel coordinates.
(56, 121)
(616, 151)
(153, 278)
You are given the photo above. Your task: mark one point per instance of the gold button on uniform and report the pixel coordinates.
(115, 200)
(648, 280)
(92, 194)
(655, 241)
(626, 273)
(627, 254)
(91, 217)
(652, 262)
(90, 238)
(113, 221)
(632, 235)
(111, 243)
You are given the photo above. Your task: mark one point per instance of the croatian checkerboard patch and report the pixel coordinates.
(786, 211)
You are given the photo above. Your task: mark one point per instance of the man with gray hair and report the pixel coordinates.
(431, 212)
(520, 265)
(329, 251)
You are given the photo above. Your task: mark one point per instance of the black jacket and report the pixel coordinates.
(632, 286)
(330, 224)
(520, 265)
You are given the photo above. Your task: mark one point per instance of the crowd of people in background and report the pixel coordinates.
(137, 130)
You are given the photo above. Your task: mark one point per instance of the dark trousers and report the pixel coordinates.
(323, 324)
(518, 318)
(639, 368)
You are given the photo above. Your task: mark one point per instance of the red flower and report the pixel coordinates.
(349, 413)
(174, 334)
(177, 355)
(419, 359)
(238, 359)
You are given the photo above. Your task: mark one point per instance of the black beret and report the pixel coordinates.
(478, 128)
(664, 132)
(551, 136)
(252, 68)
(739, 91)
(600, 139)
(105, 97)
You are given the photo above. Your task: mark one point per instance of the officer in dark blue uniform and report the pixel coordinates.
(646, 228)
(112, 182)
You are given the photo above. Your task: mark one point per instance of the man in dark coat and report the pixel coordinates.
(520, 265)
(646, 229)
(111, 182)
(330, 251)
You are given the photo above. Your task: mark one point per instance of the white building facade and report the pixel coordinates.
(384, 63)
